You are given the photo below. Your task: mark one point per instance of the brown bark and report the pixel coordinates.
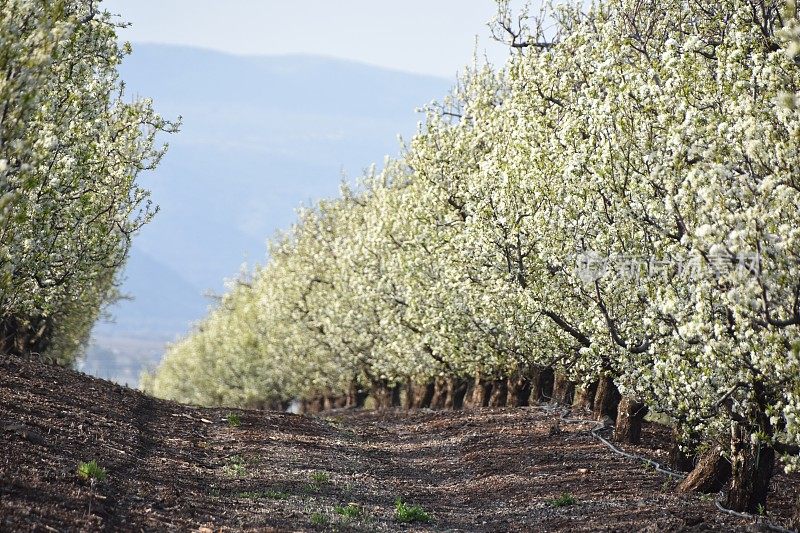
(410, 390)
(469, 392)
(267, 405)
(350, 398)
(680, 459)
(519, 391)
(279, 405)
(386, 395)
(439, 394)
(395, 396)
(563, 389)
(360, 398)
(456, 390)
(26, 337)
(542, 384)
(751, 471)
(584, 396)
(482, 393)
(425, 395)
(328, 402)
(312, 406)
(380, 393)
(356, 396)
(709, 476)
(606, 399)
(499, 395)
(630, 416)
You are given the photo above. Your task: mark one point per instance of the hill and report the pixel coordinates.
(260, 136)
(174, 466)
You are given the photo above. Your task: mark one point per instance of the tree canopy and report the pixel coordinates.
(619, 201)
(71, 148)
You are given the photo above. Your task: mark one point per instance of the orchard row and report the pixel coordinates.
(498, 250)
(71, 148)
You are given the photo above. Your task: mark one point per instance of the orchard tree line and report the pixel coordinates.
(610, 219)
(71, 148)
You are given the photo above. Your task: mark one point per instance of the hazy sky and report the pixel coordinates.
(424, 36)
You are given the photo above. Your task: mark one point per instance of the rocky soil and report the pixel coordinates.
(175, 467)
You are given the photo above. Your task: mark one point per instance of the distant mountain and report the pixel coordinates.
(260, 136)
(158, 300)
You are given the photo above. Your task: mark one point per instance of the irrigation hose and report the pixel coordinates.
(600, 426)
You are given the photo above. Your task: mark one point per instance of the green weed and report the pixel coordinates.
(320, 478)
(351, 510)
(564, 500)
(235, 466)
(406, 513)
(319, 519)
(91, 471)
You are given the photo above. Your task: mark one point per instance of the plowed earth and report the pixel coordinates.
(175, 467)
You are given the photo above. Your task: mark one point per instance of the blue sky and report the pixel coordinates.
(434, 37)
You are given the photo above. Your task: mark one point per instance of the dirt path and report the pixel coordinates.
(173, 467)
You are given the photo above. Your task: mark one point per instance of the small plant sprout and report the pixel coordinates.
(91, 471)
(351, 510)
(235, 466)
(234, 420)
(320, 478)
(566, 499)
(406, 513)
(318, 519)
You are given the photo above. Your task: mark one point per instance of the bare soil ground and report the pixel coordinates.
(174, 467)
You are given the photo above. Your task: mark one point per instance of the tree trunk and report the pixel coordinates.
(408, 400)
(584, 396)
(395, 398)
(329, 402)
(709, 476)
(360, 398)
(456, 390)
(606, 399)
(679, 459)
(469, 392)
(519, 391)
(313, 405)
(381, 395)
(751, 467)
(356, 396)
(499, 393)
(424, 396)
(542, 385)
(439, 394)
(563, 389)
(628, 428)
(26, 338)
(482, 393)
